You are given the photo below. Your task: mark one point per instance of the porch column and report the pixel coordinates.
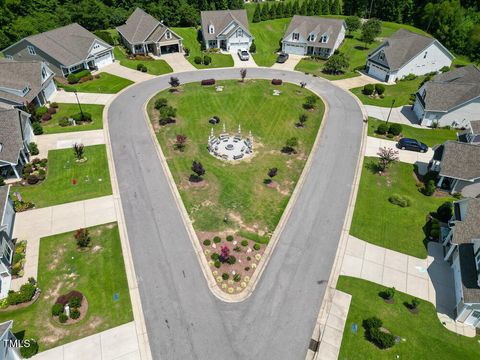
(440, 182)
(144, 49)
(23, 157)
(455, 182)
(15, 171)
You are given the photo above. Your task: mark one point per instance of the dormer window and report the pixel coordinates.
(381, 56)
(239, 32)
(311, 37)
(168, 35)
(296, 36)
(9, 57)
(25, 90)
(211, 29)
(324, 39)
(31, 50)
(44, 73)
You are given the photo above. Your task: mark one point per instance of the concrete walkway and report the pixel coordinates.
(242, 64)
(34, 224)
(402, 115)
(66, 140)
(290, 64)
(430, 279)
(178, 62)
(355, 82)
(119, 343)
(84, 98)
(125, 72)
(406, 156)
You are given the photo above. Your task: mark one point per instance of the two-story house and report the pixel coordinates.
(7, 248)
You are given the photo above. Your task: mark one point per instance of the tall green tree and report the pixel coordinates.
(325, 7)
(353, 23)
(317, 7)
(296, 8)
(257, 14)
(370, 30)
(336, 7)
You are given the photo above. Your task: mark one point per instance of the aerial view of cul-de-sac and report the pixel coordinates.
(239, 179)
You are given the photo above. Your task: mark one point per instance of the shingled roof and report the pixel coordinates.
(475, 126)
(306, 25)
(17, 75)
(451, 89)
(468, 270)
(220, 20)
(402, 47)
(69, 45)
(11, 139)
(460, 160)
(468, 228)
(141, 27)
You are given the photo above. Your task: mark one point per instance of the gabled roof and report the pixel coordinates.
(141, 27)
(402, 47)
(468, 271)
(69, 45)
(468, 228)
(17, 75)
(11, 138)
(475, 126)
(306, 25)
(4, 191)
(460, 160)
(451, 89)
(220, 19)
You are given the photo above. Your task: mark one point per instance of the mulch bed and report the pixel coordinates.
(83, 312)
(25, 304)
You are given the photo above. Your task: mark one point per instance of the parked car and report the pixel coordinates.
(282, 57)
(412, 144)
(243, 54)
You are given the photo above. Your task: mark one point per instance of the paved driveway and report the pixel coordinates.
(243, 64)
(356, 81)
(402, 115)
(184, 319)
(125, 72)
(178, 62)
(290, 64)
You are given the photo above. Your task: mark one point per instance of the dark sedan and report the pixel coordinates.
(282, 57)
(412, 144)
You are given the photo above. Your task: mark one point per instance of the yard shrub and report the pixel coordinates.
(253, 47)
(217, 239)
(445, 69)
(25, 294)
(54, 105)
(167, 112)
(46, 117)
(388, 293)
(207, 60)
(52, 110)
(197, 60)
(237, 248)
(382, 129)
(28, 351)
(310, 102)
(215, 256)
(395, 129)
(207, 82)
(277, 81)
(32, 179)
(2, 181)
(444, 212)
(140, 66)
(244, 242)
(41, 174)
(368, 89)
(57, 309)
(37, 128)
(379, 89)
(72, 79)
(231, 260)
(65, 299)
(237, 278)
(33, 148)
(217, 264)
(429, 188)
(402, 201)
(82, 237)
(225, 276)
(256, 247)
(63, 318)
(75, 302)
(86, 117)
(206, 242)
(63, 121)
(160, 103)
(229, 238)
(372, 323)
(42, 110)
(166, 121)
(380, 338)
(410, 77)
(74, 314)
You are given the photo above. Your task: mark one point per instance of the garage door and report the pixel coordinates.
(168, 49)
(241, 46)
(49, 90)
(294, 49)
(104, 60)
(377, 72)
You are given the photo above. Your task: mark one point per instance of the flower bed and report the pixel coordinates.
(19, 259)
(232, 259)
(35, 171)
(70, 308)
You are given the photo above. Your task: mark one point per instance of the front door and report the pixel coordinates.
(223, 44)
(474, 318)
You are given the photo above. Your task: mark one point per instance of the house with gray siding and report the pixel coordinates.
(405, 53)
(312, 35)
(15, 135)
(7, 247)
(65, 50)
(450, 99)
(25, 82)
(8, 342)
(457, 164)
(226, 30)
(144, 34)
(461, 242)
(472, 133)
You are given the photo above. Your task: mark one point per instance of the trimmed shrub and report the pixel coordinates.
(63, 121)
(207, 82)
(244, 242)
(434, 230)
(166, 121)
(207, 60)
(75, 302)
(57, 309)
(32, 179)
(444, 212)
(33, 148)
(389, 293)
(217, 239)
(310, 102)
(382, 129)
(237, 278)
(63, 318)
(380, 338)
(368, 89)
(217, 264)
(167, 112)
(231, 260)
(54, 105)
(256, 247)
(372, 323)
(25, 294)
(206, 242)
(197, 60)
(65, 299)
(429, 188)
(87, 117)
(229, 238)
(74, 314)
(379, 89)
(28, 351)
(277, 81)
(225, 276)
(402, 201)
(410, 77)
(160, 103)
(140, 66)
(215, 256)
(37, 128)
(186, 50)
(42, 110)
(72, 79)
(395, 129)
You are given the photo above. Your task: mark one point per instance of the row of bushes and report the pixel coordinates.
(167, 112)
(25, 294)
(371, 89)
(376, 334)
(394, 129)
(205, 60)
(141, 67)
(80, 76)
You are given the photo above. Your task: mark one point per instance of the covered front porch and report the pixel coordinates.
(319, 51)
(14, 171)
(158, 49)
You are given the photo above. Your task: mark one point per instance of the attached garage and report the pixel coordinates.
(295, 49)
(103, 60)
(168, 49)
(49, 90)
(239, 46)
(377, 71)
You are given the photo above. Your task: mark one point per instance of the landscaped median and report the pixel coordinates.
(67, 178)
(65, 270)
(235, 166)
(418, 334)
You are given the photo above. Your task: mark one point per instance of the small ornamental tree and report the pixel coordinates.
(82, 237)
(444, 212)
(271, 174)
(257, 14)
(310, 102)
(336, 64)
(253, 47)
(243, 74)
(79, 151)
(370, 30)
(387, 156)
(353, 24)
(174, 82)
(224, 253)
(180, 142)
(198, 169)
(302, 119)
(290, 145)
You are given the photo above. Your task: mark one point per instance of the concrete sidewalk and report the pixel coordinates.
(62, 96)
(66, 140)
(356, 81)
(125, 72)
(177, 62)
(430, 279)
(401, 115)
(119, 343)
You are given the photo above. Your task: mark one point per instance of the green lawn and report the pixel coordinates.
(107, 84)
(154, 67)
(92, 178)
(190, 41)
(430, 137)
(98, 273)
(423, 335)
(400, 92)
(67, 110)
(380, 222)
(238, 189)
(268, 35)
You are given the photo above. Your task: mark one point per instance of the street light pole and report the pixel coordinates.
(79, 106)
(391, 107)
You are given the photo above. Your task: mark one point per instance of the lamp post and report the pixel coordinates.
(391, 107)
(79, 106)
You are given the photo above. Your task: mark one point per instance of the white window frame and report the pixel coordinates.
(31, 50)
(44, 73)
(324, 39)
(311, 37)
(211, 29)
(239, 33)
(295, 36)
(477, 261)
(168, 35)
(9, 57)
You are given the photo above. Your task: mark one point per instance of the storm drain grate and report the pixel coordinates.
(313, 345)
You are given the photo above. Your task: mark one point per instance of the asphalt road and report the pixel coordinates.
(184, 320)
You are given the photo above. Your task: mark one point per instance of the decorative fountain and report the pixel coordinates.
(230, 147)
